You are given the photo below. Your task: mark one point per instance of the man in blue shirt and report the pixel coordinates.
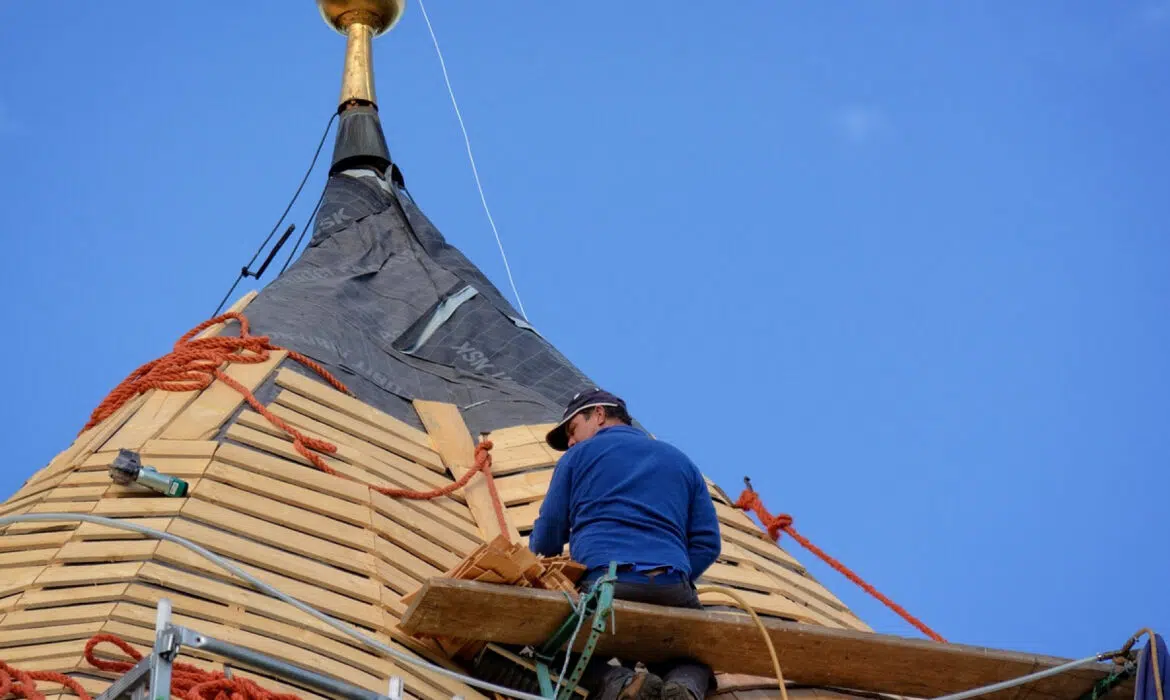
(619, 495)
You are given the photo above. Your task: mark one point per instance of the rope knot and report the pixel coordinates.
(774, 524)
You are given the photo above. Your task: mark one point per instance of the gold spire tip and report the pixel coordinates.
(378, 15)
(360, 21)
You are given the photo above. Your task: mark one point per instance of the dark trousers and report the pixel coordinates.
(693, 674)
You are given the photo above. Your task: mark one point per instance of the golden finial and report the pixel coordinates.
(360, 21)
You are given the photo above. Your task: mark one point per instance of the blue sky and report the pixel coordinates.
(905, 264)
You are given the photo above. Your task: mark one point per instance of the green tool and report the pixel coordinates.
(127, 469)
(596, 604)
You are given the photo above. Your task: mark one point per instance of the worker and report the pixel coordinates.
(618, 494)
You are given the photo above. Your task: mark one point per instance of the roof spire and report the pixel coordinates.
(360, 142)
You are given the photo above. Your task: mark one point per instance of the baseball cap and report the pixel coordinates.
(558, 437)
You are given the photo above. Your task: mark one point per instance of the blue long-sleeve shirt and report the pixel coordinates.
(624, 496)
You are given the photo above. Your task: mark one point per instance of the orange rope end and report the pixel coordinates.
(23, 684)
(777, 524)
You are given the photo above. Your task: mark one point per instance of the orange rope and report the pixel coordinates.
(187, 681)
(23, 684)
(195, 363)
(775, 524)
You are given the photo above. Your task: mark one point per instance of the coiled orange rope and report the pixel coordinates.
(776, 524)
(195, 363)
(187, 681)
(23, 684)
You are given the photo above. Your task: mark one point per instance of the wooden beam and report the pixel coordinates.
(730, 642)
(453, 442)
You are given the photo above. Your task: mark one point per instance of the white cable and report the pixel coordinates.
(996, 687)
(471, 158)
(270, 590)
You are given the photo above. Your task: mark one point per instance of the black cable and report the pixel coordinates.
(308, 225)
(300, 187)
(245, 271)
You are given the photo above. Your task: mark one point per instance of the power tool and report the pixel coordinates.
(127, 468)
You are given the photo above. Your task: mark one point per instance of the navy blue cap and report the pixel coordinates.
(558, 437)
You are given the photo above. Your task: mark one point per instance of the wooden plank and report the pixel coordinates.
(763, 547)
(403, 447)
(203, 417)
(446, 427)
(22, 655)
(278, 560)
(87, 575)
(284, 492)
(277, 535)
(525, 487)
(519, 436)
(293, 473)
(808, 654)
(352, 449)
(441, 531)
(519, 458)
(160, 409)
(16, 543)
(328, 396)
(94, 531)
(29, 557)
(393, 477)
(179, 448)
(525, 515)
(231, 596)
(393, 576)
(28, 528)
(62, 663)
(16, 580)
(368, 457)
(415, 544)
(299, 519)
(28, 491)
(71, 614)
(145, 507)
(801, 585)
(52, 597)
(52, 633)
(776, 605)
(406, 561)
(86, 478)
(102, 551)
(345, 607)
(76, 493)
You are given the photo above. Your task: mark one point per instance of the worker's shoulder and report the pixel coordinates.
(665, 450)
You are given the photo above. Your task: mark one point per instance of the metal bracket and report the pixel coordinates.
(596, 604)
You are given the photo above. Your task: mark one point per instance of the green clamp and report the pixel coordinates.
(597, 604)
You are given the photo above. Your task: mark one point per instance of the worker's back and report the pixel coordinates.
(634, 500)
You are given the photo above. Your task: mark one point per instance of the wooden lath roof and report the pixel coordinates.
(329, 541)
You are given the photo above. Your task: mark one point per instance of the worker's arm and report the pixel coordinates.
(551, 530)
(703, 540)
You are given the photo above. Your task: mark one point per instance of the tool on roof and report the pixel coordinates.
(127, 468)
